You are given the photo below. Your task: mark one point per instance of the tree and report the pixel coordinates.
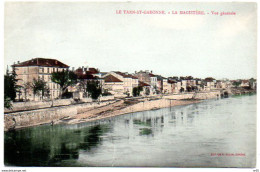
(19, 91)
(182, 89)
(127, 93)
(237, 83)
(64, 79)
(188, 88)
(7, 103)
(252, 83)
(202, 86)
(94, 89)
(194, 88)
(147, 91)
(137, 90)
(39, 86)
(10, 88)
(26, 86)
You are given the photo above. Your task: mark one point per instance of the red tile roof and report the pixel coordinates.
(90, 71)
(143, 84)
(125, 75)
(245, 81)
(93, 70)
(42, 62)
(134, 77)
(122, 74)
(79, 71)
(111, 78)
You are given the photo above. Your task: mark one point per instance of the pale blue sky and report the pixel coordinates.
(91, 34)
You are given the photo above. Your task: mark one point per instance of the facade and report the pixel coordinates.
(148, 78)
(245, 83)
(210, 83)
(114, 85)
(85, 74)
(146, 88)
(221, 84)
(129, 81)
(177, 87)
(184, 84)
(164, 85)
(153, 80)
(38, 68)
(143, 76)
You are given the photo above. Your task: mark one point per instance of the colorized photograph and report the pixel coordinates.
(130, 84)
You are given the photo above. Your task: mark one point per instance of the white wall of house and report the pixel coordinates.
(128, 82)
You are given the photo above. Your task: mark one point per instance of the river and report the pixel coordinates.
(213, 133)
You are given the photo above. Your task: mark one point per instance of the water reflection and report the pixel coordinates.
(48, 146)
(177, 136)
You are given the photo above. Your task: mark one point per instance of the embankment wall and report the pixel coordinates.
(42, 116)
(15, 120)
(22, 106)
(201, 95)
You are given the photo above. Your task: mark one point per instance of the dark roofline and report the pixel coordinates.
(143, 84)
(45, 62)
(111, 78)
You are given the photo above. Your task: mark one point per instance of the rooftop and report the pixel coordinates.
(111, 78)
(125, 75)
(143, 84)
(42, 62)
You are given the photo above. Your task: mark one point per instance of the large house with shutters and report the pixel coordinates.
(38, 68)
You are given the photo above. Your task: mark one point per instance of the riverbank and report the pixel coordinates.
(124, 107)
(90, 111)
(242, 91)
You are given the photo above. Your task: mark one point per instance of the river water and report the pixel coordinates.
(213, 133)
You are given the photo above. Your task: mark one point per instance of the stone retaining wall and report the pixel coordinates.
(201, 95)
(42, 116)
(22, 106)
(208, 95)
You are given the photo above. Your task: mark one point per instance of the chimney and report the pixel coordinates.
(18, 62)
(72, 69)
(151, 71)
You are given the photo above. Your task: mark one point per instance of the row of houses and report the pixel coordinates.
(117, 83)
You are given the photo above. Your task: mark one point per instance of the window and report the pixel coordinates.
(41, 70)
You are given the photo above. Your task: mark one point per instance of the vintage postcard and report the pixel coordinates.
(130, 84)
